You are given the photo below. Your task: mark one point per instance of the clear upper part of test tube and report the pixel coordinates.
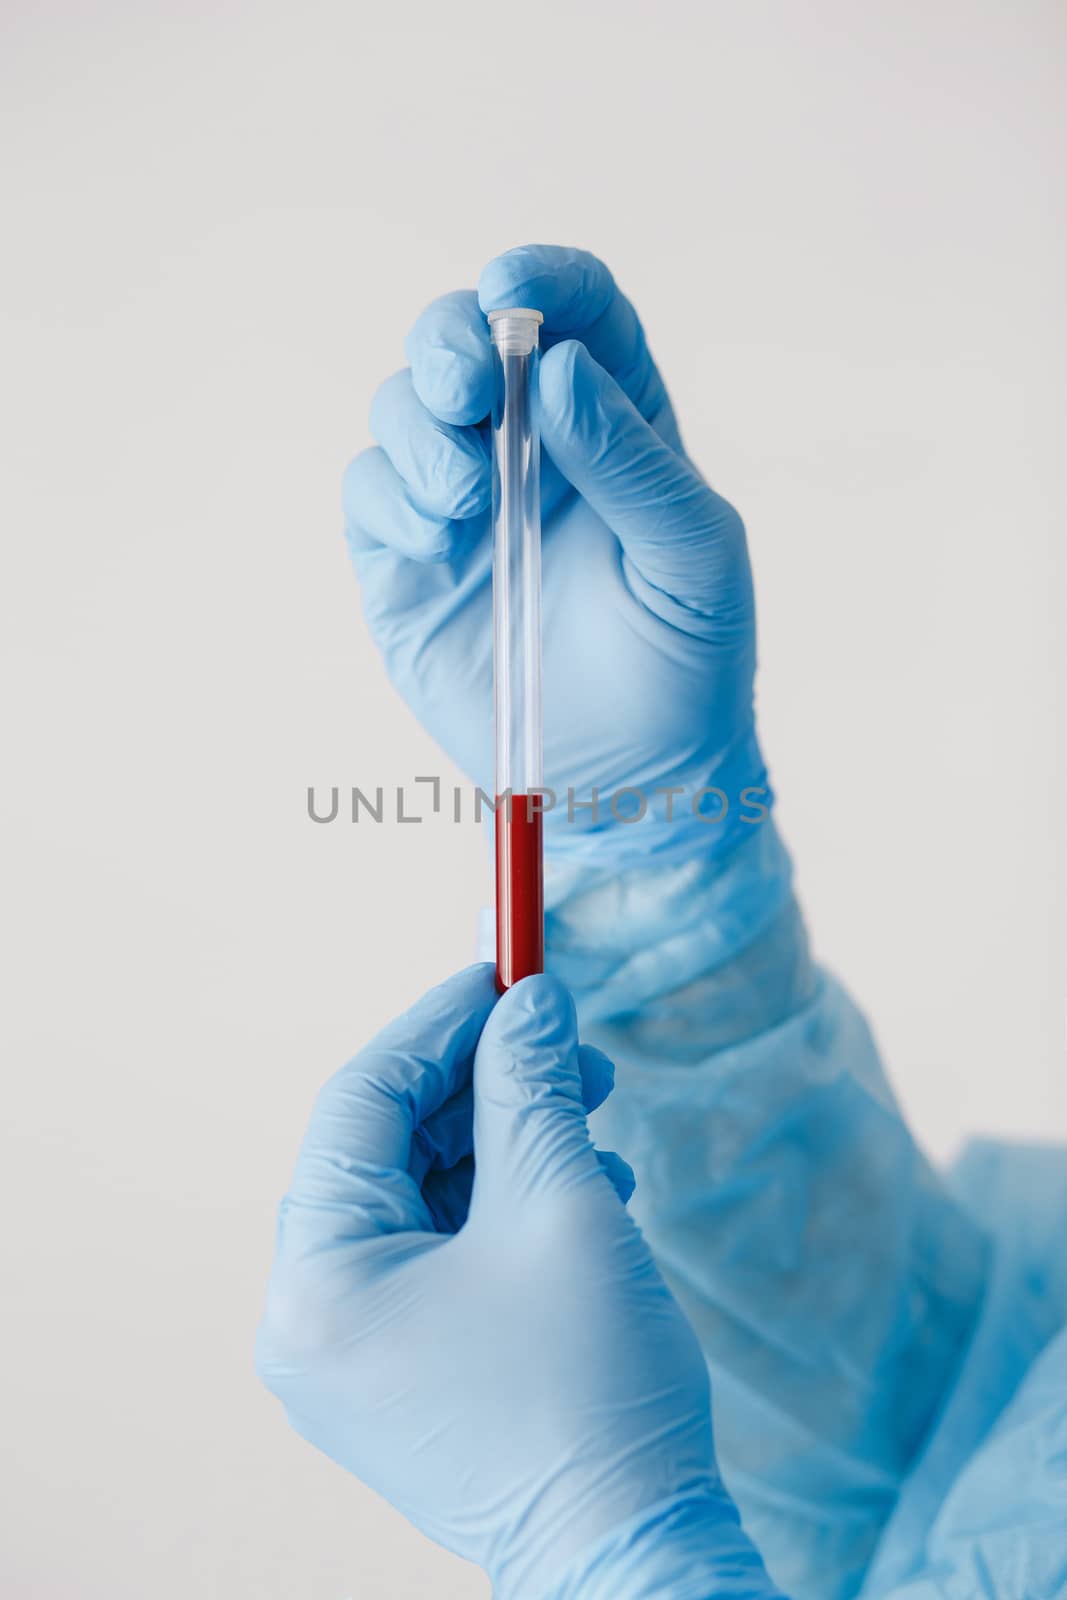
(516, 551)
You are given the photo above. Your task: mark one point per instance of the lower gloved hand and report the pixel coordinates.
(491, 1347)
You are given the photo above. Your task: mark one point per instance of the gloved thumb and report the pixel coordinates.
(530, 1130)
(684, 545)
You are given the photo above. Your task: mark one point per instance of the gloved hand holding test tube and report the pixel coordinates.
(463, 1312)
(520, 938)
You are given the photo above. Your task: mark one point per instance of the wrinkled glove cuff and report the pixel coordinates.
(621, 945)
(709, 809)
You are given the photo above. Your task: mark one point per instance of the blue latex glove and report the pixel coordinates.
(831, 1279)
(524, 1389)
(649, 645)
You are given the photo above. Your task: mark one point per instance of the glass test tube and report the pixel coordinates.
(520, 937)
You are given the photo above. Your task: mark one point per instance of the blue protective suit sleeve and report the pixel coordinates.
(983, 1515)
(833, 1278)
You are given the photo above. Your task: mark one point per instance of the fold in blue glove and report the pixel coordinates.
(492, 1348)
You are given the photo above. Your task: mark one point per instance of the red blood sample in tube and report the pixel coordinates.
(520, 894)
(516, 516)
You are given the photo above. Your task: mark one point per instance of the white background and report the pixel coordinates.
(843, 225)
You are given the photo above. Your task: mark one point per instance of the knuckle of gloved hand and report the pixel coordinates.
(537, 1010)
(355, 484)
(349, 482)
(386, 400)
(455, 484)
(730, 522)
(720, 522)
(301, 1328)
(451, 384)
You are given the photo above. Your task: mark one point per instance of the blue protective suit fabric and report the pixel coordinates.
(889, 1385)
(984, 1511)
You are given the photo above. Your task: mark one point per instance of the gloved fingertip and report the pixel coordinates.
(571, 287)
(480, 972)
(470, 988)
(569, 382)
(458, 1007)
(531, 1037)
(513, 279)
(537, 1009)
(619, 1172)
(530, 1128)
(598, 1075)
(387, 398)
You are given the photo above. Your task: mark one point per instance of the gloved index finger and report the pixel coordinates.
(352, 1171)
(579, 299)
(446, 1136)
